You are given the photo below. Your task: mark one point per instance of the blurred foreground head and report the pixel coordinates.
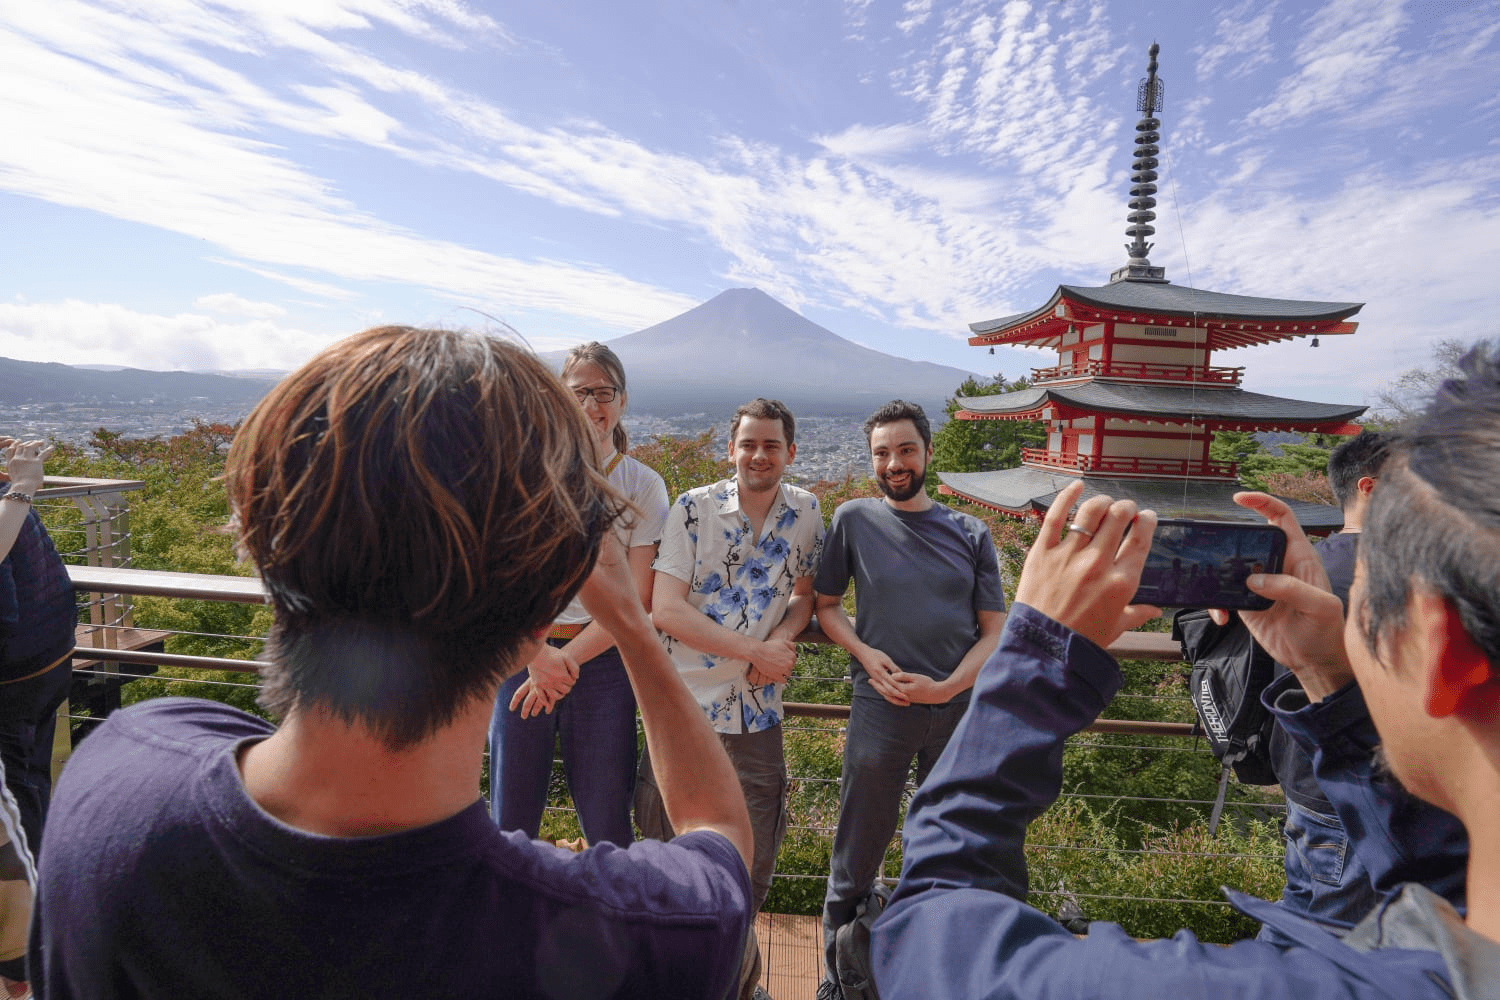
(419, 503)
(1435, 520)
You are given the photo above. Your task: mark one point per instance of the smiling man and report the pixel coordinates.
(733, 587)
(929, 611)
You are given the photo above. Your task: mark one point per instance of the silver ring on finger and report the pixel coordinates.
(1075, 526)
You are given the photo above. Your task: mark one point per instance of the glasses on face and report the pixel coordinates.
(600, 394)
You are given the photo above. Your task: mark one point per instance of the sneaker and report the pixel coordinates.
(829, 990)
(760, 994)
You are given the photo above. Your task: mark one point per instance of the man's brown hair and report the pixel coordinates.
(765, 409)
(418, 503)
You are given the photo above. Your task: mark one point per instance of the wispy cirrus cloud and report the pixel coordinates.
(1242, 41)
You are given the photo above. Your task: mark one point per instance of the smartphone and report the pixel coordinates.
(1203, 564)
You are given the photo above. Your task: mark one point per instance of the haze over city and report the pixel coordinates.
(234, 184)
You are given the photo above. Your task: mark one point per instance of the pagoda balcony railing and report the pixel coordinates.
(1141, 370)
(1130, 466)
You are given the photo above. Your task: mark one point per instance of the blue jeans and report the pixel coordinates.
(878, 751)
(596, 725)
(1324, 877)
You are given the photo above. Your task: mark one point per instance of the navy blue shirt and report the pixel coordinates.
(957, 926)
(161, 877)
(37, 607)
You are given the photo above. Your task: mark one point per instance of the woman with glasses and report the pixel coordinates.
(576, 690)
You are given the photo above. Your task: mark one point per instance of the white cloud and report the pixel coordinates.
(860, 141)
(75, 137)
(1242, 41)
(110, 334)
(230, 304)
(304, 285)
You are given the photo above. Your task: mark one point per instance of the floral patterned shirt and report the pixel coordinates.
(741, 582)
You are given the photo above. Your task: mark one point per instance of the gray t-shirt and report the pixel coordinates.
(919, 581)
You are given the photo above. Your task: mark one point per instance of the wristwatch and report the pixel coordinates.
(17, 496)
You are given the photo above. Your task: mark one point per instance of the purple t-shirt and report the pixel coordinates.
(162, 878)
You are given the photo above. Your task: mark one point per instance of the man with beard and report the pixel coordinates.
(929, 609)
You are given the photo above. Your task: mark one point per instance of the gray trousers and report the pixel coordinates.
(761, 766)
(878, 751)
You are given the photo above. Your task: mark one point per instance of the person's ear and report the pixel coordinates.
(1366, 485)
(791, 454)
(1460, 680)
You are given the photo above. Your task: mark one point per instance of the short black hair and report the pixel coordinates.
(1354, 460)
(1435, 520)
(900, 409)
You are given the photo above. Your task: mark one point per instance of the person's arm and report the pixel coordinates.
(672, 614)
(698, 785)
(881, 670)
(23, 463)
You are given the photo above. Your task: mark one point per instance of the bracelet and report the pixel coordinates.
(17, 496)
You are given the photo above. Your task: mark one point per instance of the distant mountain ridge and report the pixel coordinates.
(742, 343)
(50, 382)
(738, 345)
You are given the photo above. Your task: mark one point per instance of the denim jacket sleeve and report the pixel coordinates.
(957, 925)
(1398, 837)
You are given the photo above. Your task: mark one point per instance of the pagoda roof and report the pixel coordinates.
(1032, 491)
(1211, 404)
(1231, 320)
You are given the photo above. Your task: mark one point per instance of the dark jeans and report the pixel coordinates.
(760, 763)
(28, 721)
(595, 722)
(1324, 877)
(878, 751)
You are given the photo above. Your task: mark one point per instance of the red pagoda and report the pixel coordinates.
(1134, 399)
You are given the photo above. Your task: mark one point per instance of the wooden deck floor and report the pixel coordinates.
(791, 949)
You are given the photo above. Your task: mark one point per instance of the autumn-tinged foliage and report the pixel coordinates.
(683, 462)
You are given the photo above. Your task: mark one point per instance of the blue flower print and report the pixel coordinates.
(715, 613)
(708, 662)
(711, 584)
(756, 572)
(761, 597)
(758, 721)
(774, 548)
(733, 598)
(787, 519)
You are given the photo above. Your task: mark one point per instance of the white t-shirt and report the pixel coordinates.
(648, 493)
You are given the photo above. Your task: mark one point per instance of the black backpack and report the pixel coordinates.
(852, 947)
(1230, 670)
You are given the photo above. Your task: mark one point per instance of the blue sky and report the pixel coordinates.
(236, 183)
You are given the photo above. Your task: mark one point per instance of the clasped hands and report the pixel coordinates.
(774, 663)
(549, 677)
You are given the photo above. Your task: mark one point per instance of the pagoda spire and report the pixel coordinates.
(1150, 98)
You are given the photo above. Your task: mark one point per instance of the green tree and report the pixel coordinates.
(983, 445)
(1300, 462)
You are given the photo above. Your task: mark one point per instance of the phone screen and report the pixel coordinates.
(1203, 564)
